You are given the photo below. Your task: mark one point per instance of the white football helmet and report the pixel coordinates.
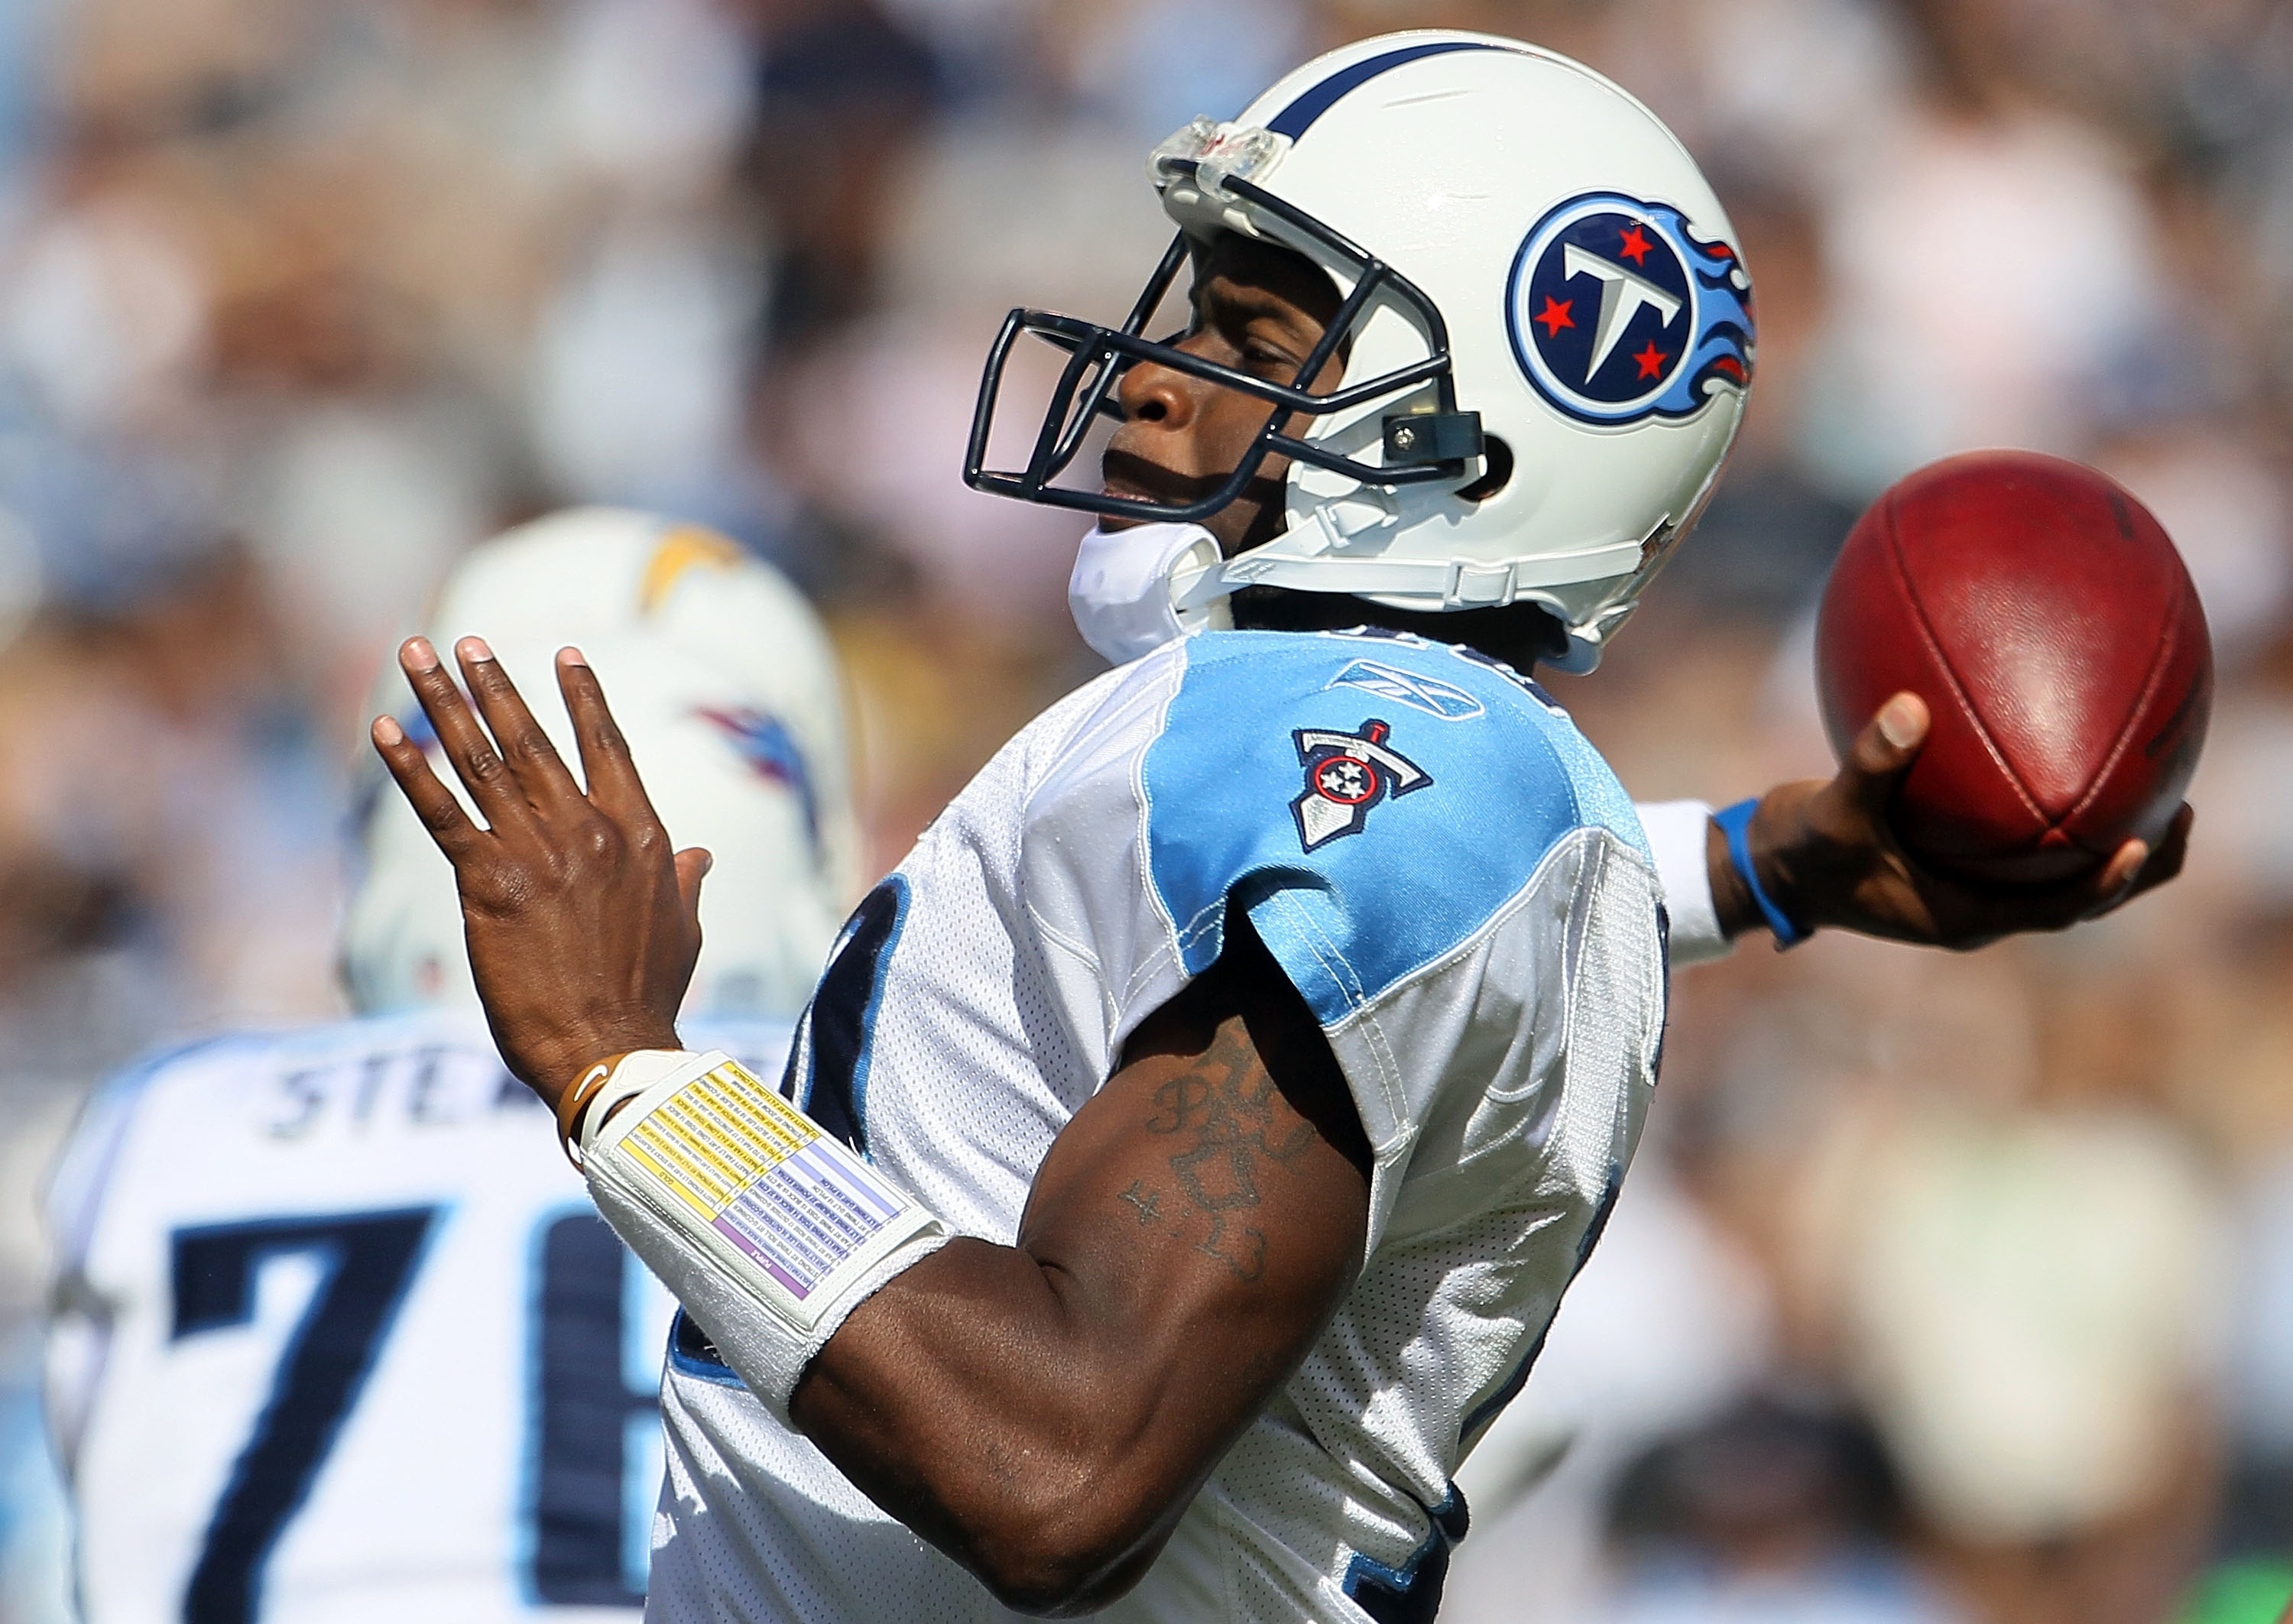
(729, 693)
(1545, 310)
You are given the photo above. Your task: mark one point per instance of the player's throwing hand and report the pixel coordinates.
(1825, 852)
(583, 927)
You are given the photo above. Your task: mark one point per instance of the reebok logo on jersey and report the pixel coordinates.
(1425, 693)
(1346, 775)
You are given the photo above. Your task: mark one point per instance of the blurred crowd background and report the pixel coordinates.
(1946, 1288)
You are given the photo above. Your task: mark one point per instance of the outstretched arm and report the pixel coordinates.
(1825, 855)
(1042, 1411)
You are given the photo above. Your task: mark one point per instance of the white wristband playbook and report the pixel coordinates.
(768, 1230)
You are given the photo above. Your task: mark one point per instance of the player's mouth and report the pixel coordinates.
(1128, 475)
(1252, 517)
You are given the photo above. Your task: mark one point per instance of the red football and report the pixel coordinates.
(2050, 625)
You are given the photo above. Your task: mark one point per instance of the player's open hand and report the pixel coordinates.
(1825, 853)
(583, 927)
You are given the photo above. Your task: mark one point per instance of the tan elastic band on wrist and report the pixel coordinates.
(575, 1100)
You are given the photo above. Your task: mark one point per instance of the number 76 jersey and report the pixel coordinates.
(340, 1337)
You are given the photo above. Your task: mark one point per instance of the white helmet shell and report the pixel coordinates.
(1543, 252)
(1474, 165)
(728, 692)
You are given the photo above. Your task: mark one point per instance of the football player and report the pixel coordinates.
(1189, 1141)
(340, 1335)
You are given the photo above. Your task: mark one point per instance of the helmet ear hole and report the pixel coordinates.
(1496, 471)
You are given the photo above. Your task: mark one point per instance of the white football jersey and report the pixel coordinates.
(340, 1338)
(1463, 894)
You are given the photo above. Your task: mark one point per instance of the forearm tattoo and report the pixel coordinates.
(1228, 1120)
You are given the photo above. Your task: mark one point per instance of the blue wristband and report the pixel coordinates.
(1736, 823)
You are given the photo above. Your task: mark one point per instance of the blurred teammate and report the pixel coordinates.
(341, 1336)
(1198, 1129)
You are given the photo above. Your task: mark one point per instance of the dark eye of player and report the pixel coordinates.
(1261, 355)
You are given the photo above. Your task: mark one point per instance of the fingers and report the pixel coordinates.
(2116, 881)
(2163, 863)
(605, 763)
(480, 770)
(2089, 896)
(692, 866)
(2058, 906)
(532, 760)
(1884, 751)
(2135, 867)
(440, 813)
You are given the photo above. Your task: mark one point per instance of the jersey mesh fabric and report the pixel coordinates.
(1484, 952)
(966, 1075)
(746, 1548)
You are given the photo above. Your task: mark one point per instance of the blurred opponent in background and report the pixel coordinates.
(336, 1335)
(1946, 1290)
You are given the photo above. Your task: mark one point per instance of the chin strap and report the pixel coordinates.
(1135, 589)
(1309, 557)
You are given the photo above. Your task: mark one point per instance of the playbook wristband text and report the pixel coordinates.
(1735, 824)
(767, 1228)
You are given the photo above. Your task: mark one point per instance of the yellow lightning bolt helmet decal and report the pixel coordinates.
(685, 548)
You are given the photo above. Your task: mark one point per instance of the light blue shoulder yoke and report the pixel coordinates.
(1373, 799)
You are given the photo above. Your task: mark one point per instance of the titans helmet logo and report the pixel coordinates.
(1618, 312)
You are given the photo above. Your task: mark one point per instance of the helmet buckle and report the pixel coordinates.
(1334, 522)
(1478, 586)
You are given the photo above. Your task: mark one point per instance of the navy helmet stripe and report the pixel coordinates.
(1295, 119)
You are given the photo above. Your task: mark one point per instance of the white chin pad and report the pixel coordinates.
(1125, 590)
(767, 1229)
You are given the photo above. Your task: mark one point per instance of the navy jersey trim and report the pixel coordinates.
(1490, 1408)
(828, 1064)
(692, 1353)
(1411, 1594)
